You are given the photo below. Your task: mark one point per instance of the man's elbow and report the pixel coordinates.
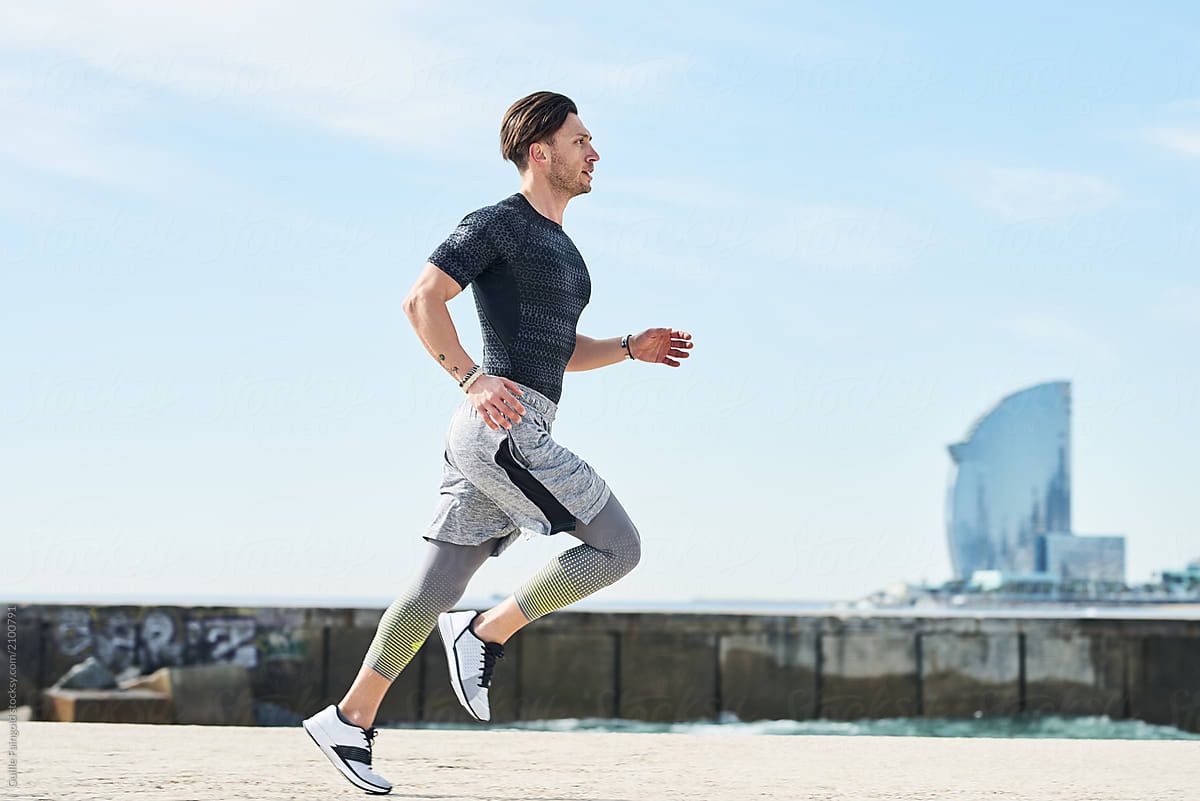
(432, 286)
(410, 305)
(417, 299)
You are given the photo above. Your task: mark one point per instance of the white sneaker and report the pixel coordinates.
(348, 747)
(471, 661)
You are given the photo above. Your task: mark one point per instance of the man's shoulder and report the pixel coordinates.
(506, 211)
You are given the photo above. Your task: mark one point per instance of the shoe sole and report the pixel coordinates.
(444, 623)
(342, 767)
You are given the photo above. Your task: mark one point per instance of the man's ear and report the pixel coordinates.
(537, 152)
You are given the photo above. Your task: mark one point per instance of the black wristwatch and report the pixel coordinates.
(625, 345)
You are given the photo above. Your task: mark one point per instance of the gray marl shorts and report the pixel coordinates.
(498, 485)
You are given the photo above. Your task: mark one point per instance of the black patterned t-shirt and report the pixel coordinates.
(530, 285)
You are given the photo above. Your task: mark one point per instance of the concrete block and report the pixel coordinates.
(769, 675)
(284, 658)
(1169, 686)
(347, 649)
(69, 640)
(90, 674)
(217, 695)
(668, 675)
(1072, 674)
(27, 629)
(106, 706)
(965, 674)
(566, 674)
(289, 671)
(868, 674)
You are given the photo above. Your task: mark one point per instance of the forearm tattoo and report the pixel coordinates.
(453, 369)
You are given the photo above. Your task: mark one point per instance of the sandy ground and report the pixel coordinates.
(211, 763)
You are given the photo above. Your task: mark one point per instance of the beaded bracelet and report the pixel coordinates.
(472, 377)
(470, 373)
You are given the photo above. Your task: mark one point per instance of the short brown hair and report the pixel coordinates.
(533, 118)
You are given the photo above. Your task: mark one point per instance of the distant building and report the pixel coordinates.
(1186, 580)
(1072, 558)
(994, 580)
(1008, 500)
(1010, 481)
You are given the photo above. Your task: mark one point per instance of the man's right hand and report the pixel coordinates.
(494, 397)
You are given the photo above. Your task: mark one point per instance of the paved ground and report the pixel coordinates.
(209, 763)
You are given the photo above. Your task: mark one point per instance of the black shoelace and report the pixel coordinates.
(369, 736)
(491, 652)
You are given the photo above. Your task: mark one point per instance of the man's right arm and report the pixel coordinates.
(493, 396)
(426, 309)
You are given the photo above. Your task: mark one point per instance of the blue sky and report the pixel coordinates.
(875, 221)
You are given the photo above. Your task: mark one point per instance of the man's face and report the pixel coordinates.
(572, 158)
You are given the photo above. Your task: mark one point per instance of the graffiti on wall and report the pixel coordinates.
(229, 638)
(72, 634)
(288, 645)
(115, 640)
(119, 639)
(159, 646)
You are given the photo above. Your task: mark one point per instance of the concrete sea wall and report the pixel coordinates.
(661, 667)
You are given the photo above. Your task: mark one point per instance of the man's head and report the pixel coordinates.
(541, 133)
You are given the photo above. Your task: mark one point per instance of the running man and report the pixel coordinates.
(503, 474)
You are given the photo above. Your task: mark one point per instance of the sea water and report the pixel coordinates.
(1097, 727)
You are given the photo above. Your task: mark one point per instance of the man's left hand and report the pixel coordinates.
(658, 345)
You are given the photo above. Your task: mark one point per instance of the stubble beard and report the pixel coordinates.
(569, 183)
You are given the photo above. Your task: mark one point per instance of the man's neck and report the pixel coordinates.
(545, 200)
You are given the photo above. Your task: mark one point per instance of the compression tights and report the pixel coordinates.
(610, 548)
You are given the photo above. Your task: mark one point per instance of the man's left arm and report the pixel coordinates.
(655, 345)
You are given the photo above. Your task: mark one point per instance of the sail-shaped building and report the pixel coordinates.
(1008, 502)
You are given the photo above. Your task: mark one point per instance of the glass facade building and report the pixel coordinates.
(1010, 482)
(1091, 558)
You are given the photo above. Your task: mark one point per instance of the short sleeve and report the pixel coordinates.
(468, 251)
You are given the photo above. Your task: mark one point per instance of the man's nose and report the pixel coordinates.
(594, 156)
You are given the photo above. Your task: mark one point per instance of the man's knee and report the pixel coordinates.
(442, 592)
(628, 551)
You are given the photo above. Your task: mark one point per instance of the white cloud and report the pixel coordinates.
(396, 76)
(80, 141)
(1024, 194)
(1181, 140)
